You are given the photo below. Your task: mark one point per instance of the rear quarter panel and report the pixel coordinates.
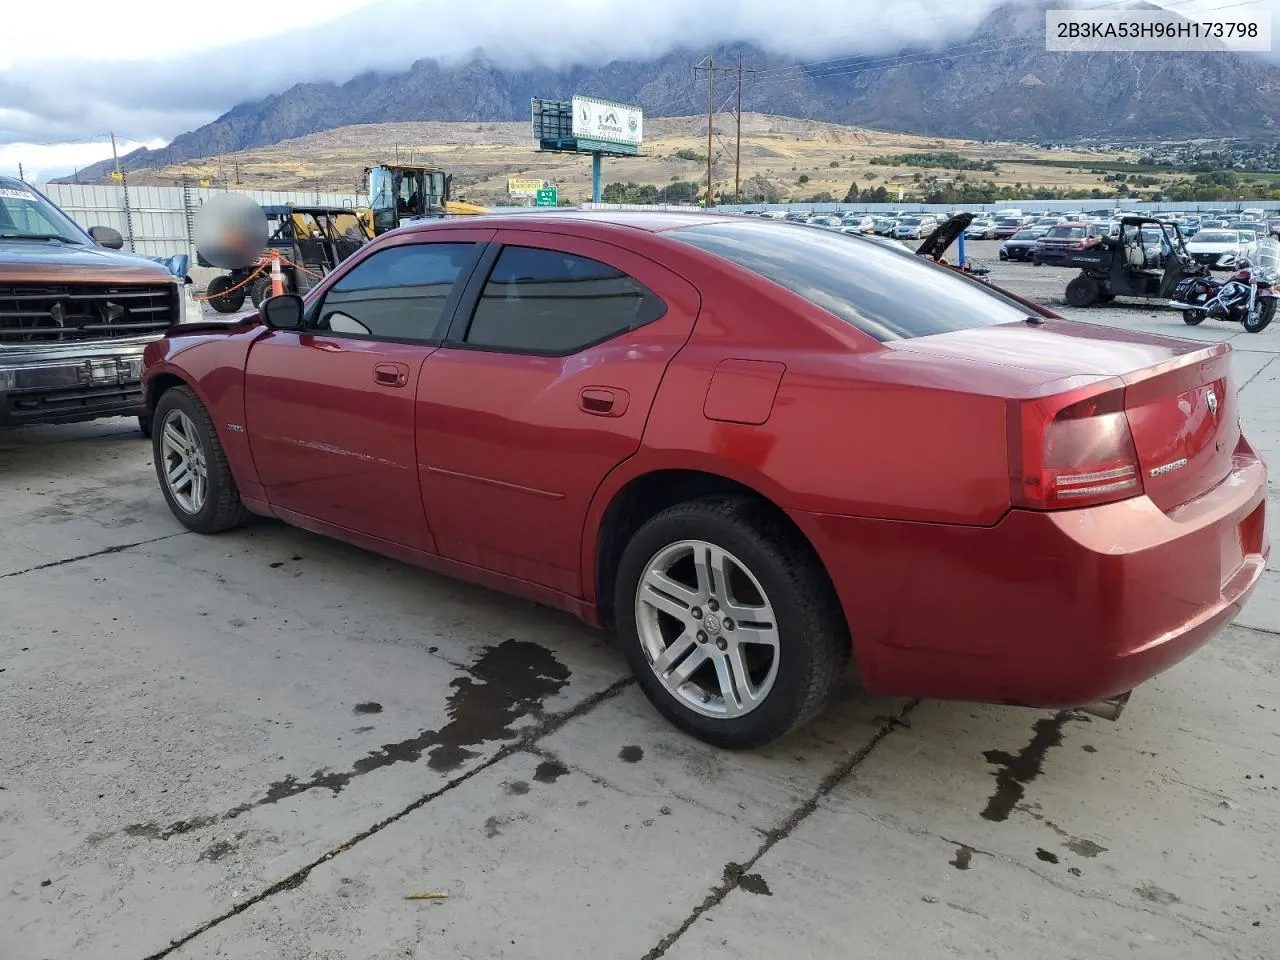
(212, 365)
(857, 428)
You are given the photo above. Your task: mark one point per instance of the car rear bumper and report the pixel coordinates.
(1048, 609)
(68, 386)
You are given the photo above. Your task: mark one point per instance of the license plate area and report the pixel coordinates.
(105, 371)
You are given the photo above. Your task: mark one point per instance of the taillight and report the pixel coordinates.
(1072, 451)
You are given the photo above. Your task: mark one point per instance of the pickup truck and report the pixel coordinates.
(76, 314)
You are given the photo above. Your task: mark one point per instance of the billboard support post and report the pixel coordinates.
(596, 164)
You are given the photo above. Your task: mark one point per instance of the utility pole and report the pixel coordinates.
(737, 153)
(710, 67)
(711, 95)
(116, 156)
(21, 175)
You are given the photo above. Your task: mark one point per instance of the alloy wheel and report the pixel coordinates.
(185, 472)
(707, 629)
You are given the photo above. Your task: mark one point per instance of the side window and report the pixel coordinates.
(545, 301)
(398, 293)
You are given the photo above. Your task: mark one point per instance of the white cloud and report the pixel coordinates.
(149, 70)
(42, 162)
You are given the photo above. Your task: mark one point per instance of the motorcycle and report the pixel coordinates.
(1249, 297)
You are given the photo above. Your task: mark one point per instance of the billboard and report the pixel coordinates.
(523, 186)
(604, 122)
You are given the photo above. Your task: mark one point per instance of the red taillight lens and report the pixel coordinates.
(1071, 452)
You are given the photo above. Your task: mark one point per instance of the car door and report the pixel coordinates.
(330, 408)
(543, 387)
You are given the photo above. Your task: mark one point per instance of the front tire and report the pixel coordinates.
(191, 466)
(1193, 318)
(1082, 291)
(1261, 318)
(729, 622)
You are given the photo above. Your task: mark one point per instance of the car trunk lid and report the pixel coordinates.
(1181, 408)
(1184, 418)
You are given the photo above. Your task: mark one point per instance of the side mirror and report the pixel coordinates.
(283, 312)
(107, 237)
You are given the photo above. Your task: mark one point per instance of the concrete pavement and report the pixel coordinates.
(259, 745)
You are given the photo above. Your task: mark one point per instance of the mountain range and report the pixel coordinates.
(1000, 84)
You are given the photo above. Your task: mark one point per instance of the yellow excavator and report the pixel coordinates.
(401, 193)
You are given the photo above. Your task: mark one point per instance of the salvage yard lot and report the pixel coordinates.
(262, 744)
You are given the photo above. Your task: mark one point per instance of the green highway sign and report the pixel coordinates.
(547, 197)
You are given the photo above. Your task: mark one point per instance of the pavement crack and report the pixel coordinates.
(734, 872)
(294, 880)
(118, 548)
(1256, 375)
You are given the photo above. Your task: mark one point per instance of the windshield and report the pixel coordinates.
(24, 213)
(1070, 233)
(910, 221)
(1217, 236)
(1028, 235)
(887, 294)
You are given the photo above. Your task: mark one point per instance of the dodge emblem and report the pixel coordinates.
(1213, 403)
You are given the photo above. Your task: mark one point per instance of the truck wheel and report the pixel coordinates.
(218, 297)
(259, 290)
(729, 622)
(191, 465)
(1082, 291)
(144, 424)
(1261, 318)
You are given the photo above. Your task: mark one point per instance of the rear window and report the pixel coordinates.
(884, 291)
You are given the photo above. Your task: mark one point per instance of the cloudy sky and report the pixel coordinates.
(142, 69)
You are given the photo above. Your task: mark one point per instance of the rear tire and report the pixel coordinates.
(1257, 322)
(218, 297)
(1082, 291)
(259, 290)
(755, 568)
(191, 466)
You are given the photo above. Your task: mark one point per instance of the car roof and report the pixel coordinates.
(656, 221)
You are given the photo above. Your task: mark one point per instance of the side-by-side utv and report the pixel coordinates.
(1142, 257)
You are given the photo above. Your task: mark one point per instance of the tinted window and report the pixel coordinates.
(545, 301)
(1217, 236)
(398, 293)
(887, 294)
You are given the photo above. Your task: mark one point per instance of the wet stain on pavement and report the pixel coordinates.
(518, 788)
(963, 857)
(216, 851)
(549, 771)
(631, 754)
(750, 882)
(1085, 848)
(1045, 855)
(1017, 770)
(754, 883)
(369, 706)
(507, 682)
(1153, 894)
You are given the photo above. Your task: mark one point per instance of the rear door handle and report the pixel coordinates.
(389, 374)
(603, 401)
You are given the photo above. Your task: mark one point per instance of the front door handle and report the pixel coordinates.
(388, 374)
(603, 401)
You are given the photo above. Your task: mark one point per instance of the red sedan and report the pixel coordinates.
(755, 450)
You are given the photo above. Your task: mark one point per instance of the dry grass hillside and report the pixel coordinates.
(483, 155)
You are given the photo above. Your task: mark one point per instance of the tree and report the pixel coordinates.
(803, 178)
(852, 195)
(880, 195)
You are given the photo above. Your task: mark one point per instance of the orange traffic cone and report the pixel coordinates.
(277, 277)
